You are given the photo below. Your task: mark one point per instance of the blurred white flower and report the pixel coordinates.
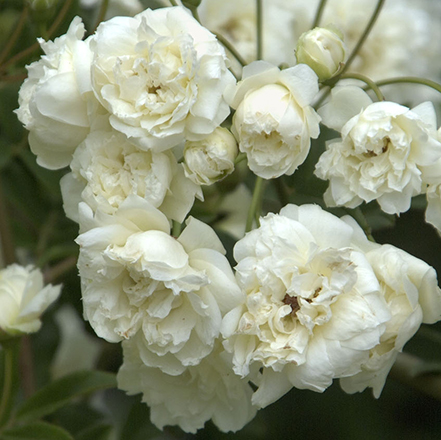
(106, 169)
(322, 49)
(236, 21)
(411, 291)
(138, 281)
(161, 75)
(210, 159)
(77, 349)
(115, 7)
(382, 154)
(23, 299)
(274, 121)
(313, 309)
(56, 100)
(206, 391)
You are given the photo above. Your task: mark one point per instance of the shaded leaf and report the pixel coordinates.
(59, 393)
(36, 431)
(96, 432)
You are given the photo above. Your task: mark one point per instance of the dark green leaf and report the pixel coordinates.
(36, 431)
(95, 432)
(59, 393)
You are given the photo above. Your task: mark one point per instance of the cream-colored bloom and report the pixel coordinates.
(274, 122)
(161, 75)
(56, 102)
(383, 152)
(412, 295)
(322, 49)
(23, 299)
(106, 169)
(206, 391)
(313, 309)
(139, 281)
(211, 159)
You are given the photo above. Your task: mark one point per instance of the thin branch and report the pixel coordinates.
(364, 35)
(410, 80)
(255, 202)
(17, 31)
(101, 14)
(259, 29)
(319, 13)
(371, 84)
(404, 371)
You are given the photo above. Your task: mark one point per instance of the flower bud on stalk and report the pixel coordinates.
(210, 159)
(322, 49)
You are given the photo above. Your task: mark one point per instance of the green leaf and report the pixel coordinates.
(59, 393)
(36, 431)
(96, 432)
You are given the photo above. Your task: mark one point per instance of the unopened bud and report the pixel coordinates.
(322, 49)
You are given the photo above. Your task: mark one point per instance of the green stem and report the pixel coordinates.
(230, 48)
(17, 31)
(410, 80)
(259, 29)
(404, 371)
(24, 53)
(252, 212)
(6, 236)
(174, 3)
(102, 13)
(319, 13)
(176, 229)
(358, 215)
(239, 158)
(371, 84)
(10, 359)
(364, 35)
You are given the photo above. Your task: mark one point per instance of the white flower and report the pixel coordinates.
(322, 49)
(106, 169)
(274, 120)
(56, 99)
(140, 282)
(313, 309)
(207, 391)
(210, 159)
(161, 75)
(382, 154)
(411, 291)
(23, 299)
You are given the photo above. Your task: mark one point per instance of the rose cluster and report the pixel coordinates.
(138, 111)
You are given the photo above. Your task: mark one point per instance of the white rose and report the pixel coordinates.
(23, 299)
(382, 154)
(106, 169)
(322, 49)
(274, 120)
(313, 309)
(140, 282)
(412, 295)
(206, 391)
(161, 75)
(56, 99)
(211, 159)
